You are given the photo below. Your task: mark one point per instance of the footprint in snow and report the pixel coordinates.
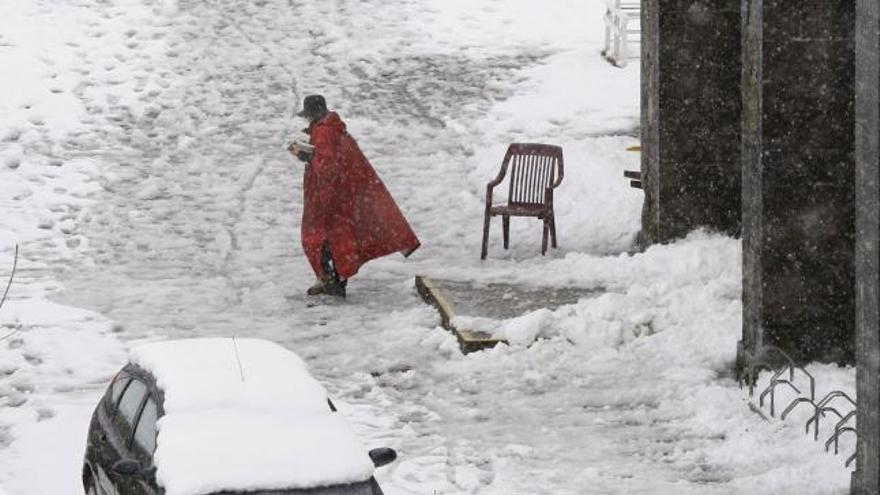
(16, 399)
(5, 437)
(33, 359)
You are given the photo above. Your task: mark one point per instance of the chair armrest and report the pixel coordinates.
(494, 182)
(500, 177)
(548, 196)
(561, 175)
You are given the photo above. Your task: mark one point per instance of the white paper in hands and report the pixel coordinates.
(297, 147)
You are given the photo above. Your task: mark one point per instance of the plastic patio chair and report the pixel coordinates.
(535, 171)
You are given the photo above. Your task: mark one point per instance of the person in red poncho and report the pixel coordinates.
(349, 217)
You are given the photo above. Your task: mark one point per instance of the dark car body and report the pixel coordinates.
(122, 437)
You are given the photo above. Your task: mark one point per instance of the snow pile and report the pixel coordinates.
(643, 371)
(687, 292)
(55, 362)
(526, 328)
(687, 298)
(266, 421)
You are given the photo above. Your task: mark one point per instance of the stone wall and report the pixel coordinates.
(798, 177)
(866, 479)
(690, 117)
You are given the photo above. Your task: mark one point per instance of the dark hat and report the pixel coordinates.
(313, 106)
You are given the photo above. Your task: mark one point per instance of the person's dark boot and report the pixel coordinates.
(336, 288)
(331, 287)
(319, 288)
(331, 284)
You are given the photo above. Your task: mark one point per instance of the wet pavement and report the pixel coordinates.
(505, 301)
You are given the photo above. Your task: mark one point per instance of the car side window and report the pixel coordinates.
(119, 383)
(145, 431)
(131, 400)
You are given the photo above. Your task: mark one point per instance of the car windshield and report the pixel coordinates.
(364, 488)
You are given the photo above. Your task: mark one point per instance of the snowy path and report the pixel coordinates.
(194, 232)
(198, 233)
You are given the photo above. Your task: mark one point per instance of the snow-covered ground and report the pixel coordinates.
(144, 172)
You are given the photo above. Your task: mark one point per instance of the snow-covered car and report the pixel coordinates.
(223, 417)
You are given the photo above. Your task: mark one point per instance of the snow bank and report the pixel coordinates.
(685, 296)
(251, 406)
(53, 370)
(653, 355)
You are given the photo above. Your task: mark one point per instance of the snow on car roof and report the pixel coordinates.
(204, 374)
(263, 424)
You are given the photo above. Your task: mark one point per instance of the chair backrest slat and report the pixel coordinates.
(539, 177)
(516, 185)
(514, 175)
(533, 169)
(550, 167)
(542, 178)
(534, 184)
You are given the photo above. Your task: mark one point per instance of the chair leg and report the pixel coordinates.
(553, 231)
(505, 220)
(485, 250)
(544, 237)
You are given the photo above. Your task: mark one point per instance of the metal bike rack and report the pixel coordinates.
(786, 372)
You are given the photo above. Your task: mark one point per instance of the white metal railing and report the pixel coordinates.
(623, 30)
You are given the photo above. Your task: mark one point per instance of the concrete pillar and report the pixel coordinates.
(866, 478)
(690, 117)
(799, 178)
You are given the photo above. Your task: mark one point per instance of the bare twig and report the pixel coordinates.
(6, 292)
(11, 276)
(237, 358)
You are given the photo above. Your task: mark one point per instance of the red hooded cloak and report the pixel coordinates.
(346, 204)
